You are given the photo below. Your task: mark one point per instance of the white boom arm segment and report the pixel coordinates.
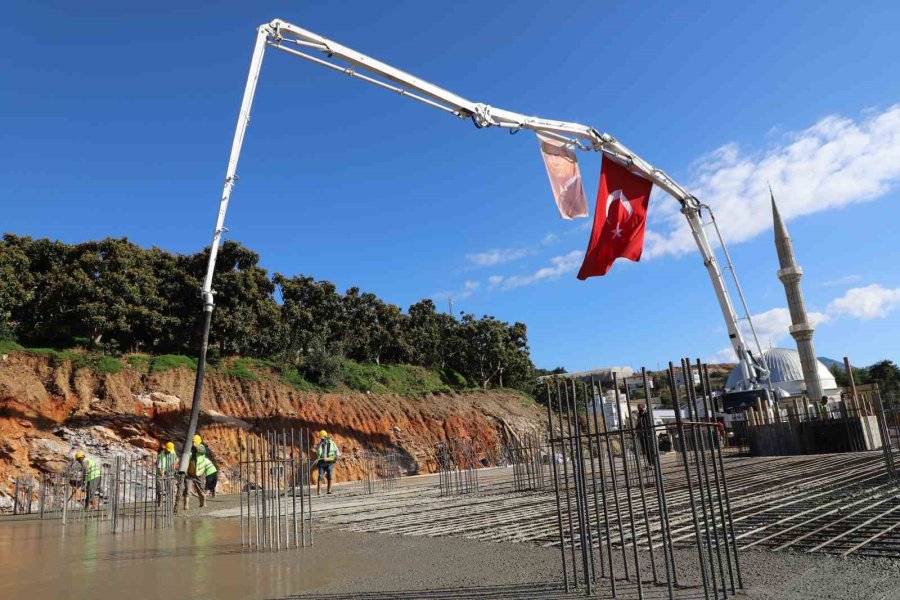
(294, 40)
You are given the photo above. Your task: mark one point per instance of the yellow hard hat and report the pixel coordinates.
(79, 454)
(170, 446)
(197, 440)
(323, 433)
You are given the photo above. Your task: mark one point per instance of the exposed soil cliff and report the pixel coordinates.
(48, 409)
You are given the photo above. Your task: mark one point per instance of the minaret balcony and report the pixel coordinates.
(801, 331)
(790, 274)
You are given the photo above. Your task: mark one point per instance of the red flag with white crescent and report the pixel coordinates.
(620, 218)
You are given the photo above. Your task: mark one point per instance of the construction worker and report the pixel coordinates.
(198, 443)
(166, 463)
(327, 454)
(195, 478)
(646, 435)
(210, 473)
(91, 480)
(824, 413)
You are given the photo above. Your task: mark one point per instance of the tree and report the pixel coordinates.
(886, 374)
(16, 281)
(114, 294)
(247, 319)
(545, 372)
(311, 311)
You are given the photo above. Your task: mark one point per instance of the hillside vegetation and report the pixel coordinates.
(109, 303)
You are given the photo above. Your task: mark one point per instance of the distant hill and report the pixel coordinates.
(830, 362)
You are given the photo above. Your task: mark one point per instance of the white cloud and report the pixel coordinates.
(772, 329)
(725, 355)
(772, 326)
(845, 280)
(835, 163)
(468, 288)
(559, 265)
(870, 302)
(498, 256)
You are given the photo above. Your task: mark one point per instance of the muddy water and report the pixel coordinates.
(195, 559)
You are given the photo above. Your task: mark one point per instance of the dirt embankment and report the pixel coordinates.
(48, 409)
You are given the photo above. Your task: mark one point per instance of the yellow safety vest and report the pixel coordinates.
(166, 461)
(91, 470)
(204, 466)
(326, 450)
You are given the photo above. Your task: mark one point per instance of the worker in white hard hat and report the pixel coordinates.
(327, 453)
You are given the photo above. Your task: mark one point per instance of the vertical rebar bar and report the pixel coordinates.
(580, 494)
(610, 455)
(661, 501)
(605, 433)
(638, 459)
(714, 439)
(711, 526)
(562, 538)
(563, 442)
(687, 475)
(634, 538)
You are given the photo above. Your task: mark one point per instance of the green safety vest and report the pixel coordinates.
(204, 467)
(166, 461)
(326, 449)
(91, 470)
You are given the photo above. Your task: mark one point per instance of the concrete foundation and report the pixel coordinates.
(815, 437)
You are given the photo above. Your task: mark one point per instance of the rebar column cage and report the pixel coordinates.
(616, 495)
(457, 465)
(130, 494)
(275, 489)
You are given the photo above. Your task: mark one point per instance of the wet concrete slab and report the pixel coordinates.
(193, 559)
(202, 558)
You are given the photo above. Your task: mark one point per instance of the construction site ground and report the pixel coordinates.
(794, 518)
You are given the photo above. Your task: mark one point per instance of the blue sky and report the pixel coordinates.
(118, 122)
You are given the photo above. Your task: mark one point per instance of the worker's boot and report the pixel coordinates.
(202, 500)
(184, 503)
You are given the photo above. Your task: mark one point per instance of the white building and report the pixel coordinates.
(680, 377)
(786, 374)
(636, 382)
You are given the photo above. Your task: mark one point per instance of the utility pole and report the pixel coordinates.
(450, 302)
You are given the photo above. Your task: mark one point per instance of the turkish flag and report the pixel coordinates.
(619, 219)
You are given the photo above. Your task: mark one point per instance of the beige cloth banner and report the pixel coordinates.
(565, 177)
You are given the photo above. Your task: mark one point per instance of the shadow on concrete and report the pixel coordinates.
(525, 591)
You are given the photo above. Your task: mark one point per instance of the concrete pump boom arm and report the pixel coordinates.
(282, 35)
(291, 39)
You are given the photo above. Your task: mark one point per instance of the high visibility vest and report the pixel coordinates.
(204, 466)
(91, 470)
(165, 461)
(327, 449)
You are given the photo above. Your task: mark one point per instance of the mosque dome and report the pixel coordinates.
(786, 372)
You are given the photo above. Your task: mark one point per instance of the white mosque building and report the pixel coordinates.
(786, 374)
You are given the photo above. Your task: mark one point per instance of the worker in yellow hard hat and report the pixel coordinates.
(91, 479)
(327, 453)
(194, 479)
(166, 463)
